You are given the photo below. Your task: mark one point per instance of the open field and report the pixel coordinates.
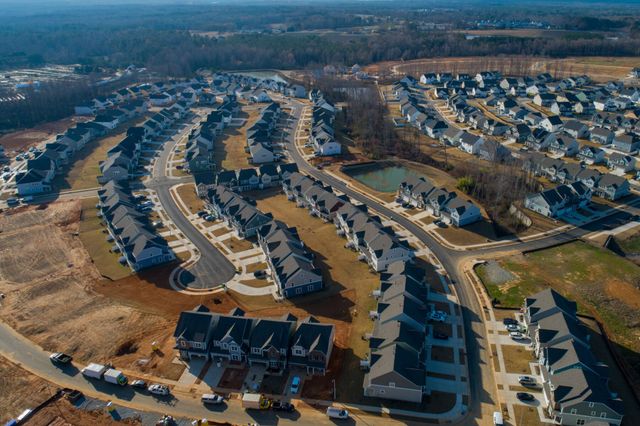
(24, 139)
(604, 285)
(83, 169)
(600, 69)
(229, 147)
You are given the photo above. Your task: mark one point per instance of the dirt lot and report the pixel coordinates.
(53, 300)
(83, 170)
(20, 390)
(229, 148)
(24, 139)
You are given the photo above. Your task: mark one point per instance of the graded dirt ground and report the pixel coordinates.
(20, 390)
(50, 285)
(22, 140)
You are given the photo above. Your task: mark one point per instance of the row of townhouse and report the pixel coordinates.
(253, 89)
(276, 344)
(249, 179)
(199, 150)
(322, 136)
(290, 263)
(160, 93)
(378, 244)
(487, 149)
(260, 135)
(439, 202)
(560, 201)
(398, 343)
(575, 385)
(124, 158)
(130, 229)
(608, 186)
(412, 107)
(237, 212)
(39, 172)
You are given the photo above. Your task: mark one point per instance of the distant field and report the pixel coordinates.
(598, 68)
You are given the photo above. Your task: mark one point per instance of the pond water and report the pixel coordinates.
(382, 178)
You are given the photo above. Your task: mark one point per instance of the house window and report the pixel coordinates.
(593, 414)
(580, 422)
(591, 404)
(392, 384)
(183, 343)
(225, 346)
(255, 351)
(603, 414)
(309, 288)
(574, 411)
(298, 352)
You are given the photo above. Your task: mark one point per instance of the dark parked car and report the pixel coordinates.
(509, 321)
(282, 406)
(260, 274)
(73, 395)
(524, 396)
(60, 358)
(139, 384)
(441, 336)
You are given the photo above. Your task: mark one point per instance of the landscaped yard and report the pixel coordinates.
(602, 283)
(95, 241)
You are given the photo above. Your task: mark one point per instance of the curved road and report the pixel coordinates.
(212, 268)
(483, 387)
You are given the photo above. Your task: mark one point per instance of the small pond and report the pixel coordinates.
(381, 177)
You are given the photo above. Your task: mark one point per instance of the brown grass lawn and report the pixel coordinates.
(83, 169)
(517, 359)
(95, 241)
(237, 245)
(526, 415)
(229, 150)
(189, 197)
(496, 362)
(256, 267)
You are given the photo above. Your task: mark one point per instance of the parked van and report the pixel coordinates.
(497, 418)
(337, 413)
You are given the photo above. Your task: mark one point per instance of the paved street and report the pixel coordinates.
(212, 268)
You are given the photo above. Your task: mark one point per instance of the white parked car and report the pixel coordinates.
(337, 413)
(517, 335)
(526, 380)
(512, 327)
(212, 398)
(159, 389)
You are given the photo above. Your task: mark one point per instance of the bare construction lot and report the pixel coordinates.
(52, 296)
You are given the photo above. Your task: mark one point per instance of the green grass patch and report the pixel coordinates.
(603, 284)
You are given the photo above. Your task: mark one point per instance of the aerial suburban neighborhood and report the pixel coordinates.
(317, 212)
